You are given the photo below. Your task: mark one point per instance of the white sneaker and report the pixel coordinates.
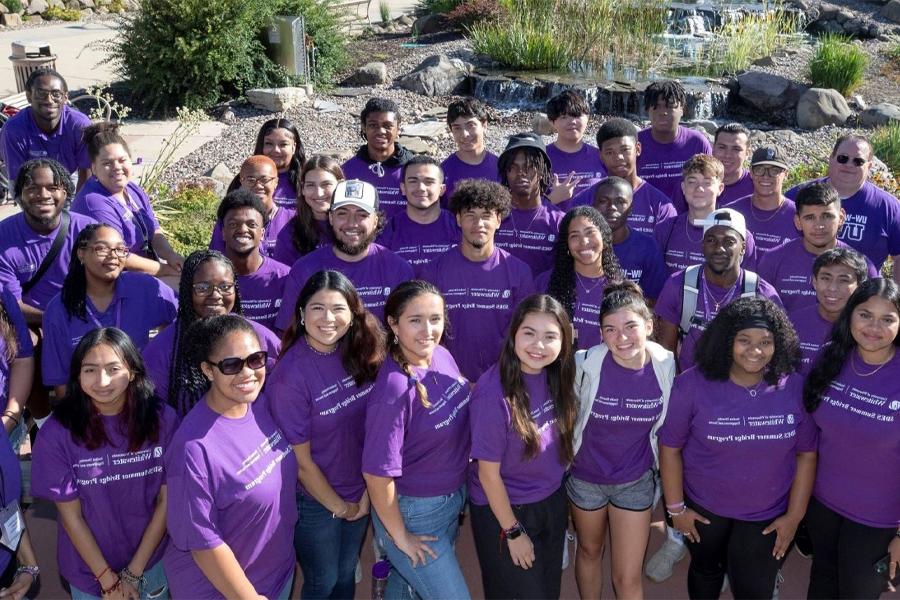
(660, 566)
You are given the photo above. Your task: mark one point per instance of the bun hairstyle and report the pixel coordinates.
(624, 295)
(100, 135)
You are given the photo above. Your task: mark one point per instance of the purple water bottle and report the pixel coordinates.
(380, 572)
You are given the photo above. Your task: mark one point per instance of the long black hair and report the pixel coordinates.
(8, 334)
(299, 156)
(305, 234)
(831, 360)
(203, 337)
(563, 284)
(141, 412)
(74, 289)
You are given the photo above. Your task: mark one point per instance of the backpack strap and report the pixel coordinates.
(689, 293)
(751, 284)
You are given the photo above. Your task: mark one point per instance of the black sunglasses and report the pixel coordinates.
(234, 365)
(858, 161)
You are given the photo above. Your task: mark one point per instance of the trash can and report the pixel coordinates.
(27, 57)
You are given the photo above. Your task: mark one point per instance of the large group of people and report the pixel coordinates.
(561, 334)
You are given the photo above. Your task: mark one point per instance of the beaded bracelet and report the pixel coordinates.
(32, 570)
(677, 514)
(130, 578)
(112, 588)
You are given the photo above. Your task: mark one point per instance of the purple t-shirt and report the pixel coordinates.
(22, 140)
(586, 312)
(642, 262)
(136, 224)
(668, 307)
(616, 447)
(285, 194)
(859, 444)
(812, 332)
(455, 170)
(230, 482)
(314, 400)
(117, 489)
(140, 303)
(527, 480)
(425, 450)
(682, 244)
(585, 163)
(261, 292)
(23, 339)
(282, 217)
(420, 244)
(732, 192)
(22, 250)
(373, 277)
(530, 235)
(386, 179)
(739, 451)
(480, 298)
(770, 228)
(661, 164)
(287, 254)
(789, 269)
(11, 486)
(649, 207)
(873, 221)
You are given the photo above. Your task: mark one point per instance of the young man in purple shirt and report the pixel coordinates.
(872, 226)
(665, 145)
(48, 128)
(529, 231)
(374, 270)
(423, 231)
(481, 283)
(467, 119)
(381, 158)
(260, 278)
(576, 164)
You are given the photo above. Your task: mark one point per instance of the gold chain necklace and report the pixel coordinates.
(869, 374)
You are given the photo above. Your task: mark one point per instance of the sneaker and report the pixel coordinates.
(660, 566)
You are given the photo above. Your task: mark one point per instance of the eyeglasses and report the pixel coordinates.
(102, 251)
(234, 365)
(767, 171)
(226, 288)
(250, 180)
(40, 94)
(857, 161)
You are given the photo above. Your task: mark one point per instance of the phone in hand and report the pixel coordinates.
(883, 567)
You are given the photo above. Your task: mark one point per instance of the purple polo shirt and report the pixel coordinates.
(789, 268)
(530, 235)
(285, 194)
(231, 481)
(282, 217)
(495, 440)
(117, 489)
(668, 307)
(770, 228)
(586, 312)
(649, 207)
(682, 244)
(23, 339)
(859, 444)
(642, 262)
(420, 244)
(661, 164)
(585, 163)
(95, 201)
(425, 450)
(386, 179)
(480, 298)
(140, 303)
(812, 332)
(732, 192)
(455, 170)
(22, 250)
(873, 221)
(374, 277)
(314, 400)
(261, 292)
(22, 140)
(285, 251)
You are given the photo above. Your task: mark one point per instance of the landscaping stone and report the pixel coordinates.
(425, 129)
(427, 24)
(3, 9)
(708, 127)
(352, 92)
(880, 114)
(765, 61)
(541, 125)
(11, 20)
(277, 99)
(373, 73)
(438, 112)
(326, 106)
(437, 75)
(891, 11)
(418, 145)
(221, 173)
(36, 7)
(405, 20)
(767, 92)
(819, 107)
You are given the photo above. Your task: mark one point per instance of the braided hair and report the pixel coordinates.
(534, 159)
(74, 290)
(61, 176)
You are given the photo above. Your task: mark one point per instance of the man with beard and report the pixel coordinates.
(373, 269)
(261, 279)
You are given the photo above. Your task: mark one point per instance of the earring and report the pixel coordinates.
(302, 322)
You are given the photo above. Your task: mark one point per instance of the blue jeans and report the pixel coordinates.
(156, 588)
(437, 578)
(327, 550)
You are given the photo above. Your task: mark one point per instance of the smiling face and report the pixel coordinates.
(570, 129)
(619, 156)
(327, 319)
(104, 256)
(701, 190)
(104, 378)
(354, 229)
(47, 97)
(113, 167)
(242, 229)
(768, 180)
(625, 333)
(468, 133)
(419, 328)
(874, 325)
(849, 175)
(819, 225)
(751, 352)
(723, 249)
(834, 284)
(538, 342)
(42, 199)
(585, 242)
(211, 275)
(732, 150)
(230, 391)
(381, 131)
(318, 188)
(260, 179)
(614, 203)
(423, 186)
(279, 145)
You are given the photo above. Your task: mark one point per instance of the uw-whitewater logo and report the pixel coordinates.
(551, 238)
(506, 293)
(852, 231)
(387, 291)
(157, 452)
(895, 405)
(790, 419)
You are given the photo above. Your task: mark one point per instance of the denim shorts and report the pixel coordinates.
(156, 588)
(637, 495)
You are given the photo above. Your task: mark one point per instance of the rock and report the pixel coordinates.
(427, 24)
(819, 107)
(437, 75)
(373, 73)
(87, 3)
(707, 127)
(341, 155)
(326, 106)
(438, 112)
(857, 102)
(426, 129)
(36, 7)
(220, 173)
(765, 61)
(418, 145)
(767, 92)
(405, 20)
(541, 125)
(891, 11)
(352, 92)
(11, 20)
(277, 99)
(228, 117)
(3, 9)
(56, 3)
(879, 114)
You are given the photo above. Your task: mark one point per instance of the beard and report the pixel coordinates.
(354, 249)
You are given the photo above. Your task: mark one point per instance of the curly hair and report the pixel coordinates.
(563, 285)
(61, 176)
(480, 193)
(100, 135)
(74, 290)
(714, 355)
(672, 92)
(378, 105)
(830, 361)
(240, 198)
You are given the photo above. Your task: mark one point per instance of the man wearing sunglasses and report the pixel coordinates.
(872, 226)
(48, 128)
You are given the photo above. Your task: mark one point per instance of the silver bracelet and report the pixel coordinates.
(132, 579)
(32, 570)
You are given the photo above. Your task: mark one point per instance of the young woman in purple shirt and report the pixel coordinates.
(523, 419)
(416, 451)
(280, 140)
(100, 460)
(853, 395)
(737, 451)
(319, 391)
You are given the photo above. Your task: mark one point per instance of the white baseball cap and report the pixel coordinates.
(357, 193)
(726, 217)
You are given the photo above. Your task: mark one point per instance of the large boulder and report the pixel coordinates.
(879, 115)
(36, 7)
(819, 107)
(11, 20)
(891, 11)
(768, 93)
(373, 73)
(437, 75)
(427, 24)
(277, 99)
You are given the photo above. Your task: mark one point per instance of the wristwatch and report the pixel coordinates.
(513, 532)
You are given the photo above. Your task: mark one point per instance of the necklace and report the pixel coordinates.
(512, 218)
(774, 213)
(588, 290)
(707, 293)
(870, 373)
(319, 352)
(754, 390)
(687, 231)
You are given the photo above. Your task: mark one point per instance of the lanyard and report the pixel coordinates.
(94, 317)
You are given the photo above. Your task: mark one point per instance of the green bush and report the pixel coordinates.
(324, 29)
(56, 13)
(886, 145)
(438, 7)
(806, 171)
(838, 64)
(14, 6)
(116, 6)
(190, 216)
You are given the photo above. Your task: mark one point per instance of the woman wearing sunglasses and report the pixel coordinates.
(99, 458)
(230, 473)
(97, 293)
(207, 289)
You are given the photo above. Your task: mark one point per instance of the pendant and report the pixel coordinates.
(752, 393)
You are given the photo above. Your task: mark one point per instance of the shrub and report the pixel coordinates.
(384, 11)
(471, 12)
(324, 29)
(805, 171)
(192, 215)
(739, 43)
(57, 13)
(886, 145)
(116, 6)
(14, 6)
(438, 7)
(838, 64)
(893, 52)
